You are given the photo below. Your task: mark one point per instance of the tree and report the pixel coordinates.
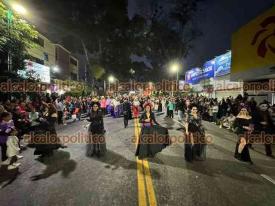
(16, 36)
(161, 35)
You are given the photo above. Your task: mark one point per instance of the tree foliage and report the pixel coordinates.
(163, 34)
(16, 36)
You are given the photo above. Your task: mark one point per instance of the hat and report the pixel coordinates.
(243, 106)
(95, 103)
(264, 102)
(147, 104)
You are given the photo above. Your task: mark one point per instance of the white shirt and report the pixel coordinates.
(60, 106)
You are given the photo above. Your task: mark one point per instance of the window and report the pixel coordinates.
(73, 76)
(39, 41)
(73, 61)
(56, 53)
(46, 56)
(37, 60)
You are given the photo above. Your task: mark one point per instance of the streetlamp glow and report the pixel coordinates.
(111, 79)
(132, 71)
(175, 68)
(19, 8)
(56, 69)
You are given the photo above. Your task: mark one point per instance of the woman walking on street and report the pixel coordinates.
(44, 145)
(195, 144)
(153, 137)
(96, 140)
(126, 112)
(243, 128)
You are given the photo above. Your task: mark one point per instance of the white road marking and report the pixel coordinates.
(268, 178)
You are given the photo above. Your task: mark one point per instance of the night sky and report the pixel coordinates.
(216, 19)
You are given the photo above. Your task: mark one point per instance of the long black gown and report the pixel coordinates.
(96, 139)
(196, 151)
(126, 106)
(152, 139)
(241, 132)
(45, 139)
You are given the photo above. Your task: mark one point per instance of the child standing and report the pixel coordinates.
(12, 150)
(171, 107)
(6, 126)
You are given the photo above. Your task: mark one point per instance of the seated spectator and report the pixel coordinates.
(6, 126)
(33, 117)
(227, 121)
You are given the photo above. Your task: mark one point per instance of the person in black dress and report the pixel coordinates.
(126, 112)
(266, 127)
(243, 128)
(195, 144)
(96, 140)
(153, 137)
(45, 137)
(159, 105)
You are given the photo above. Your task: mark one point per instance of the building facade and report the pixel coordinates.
(66, 63)
(74, 67)
(43, 52)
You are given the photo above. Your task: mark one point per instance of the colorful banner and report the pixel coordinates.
(223, 64)
(253, 47)
(194, 76)
(208, 69)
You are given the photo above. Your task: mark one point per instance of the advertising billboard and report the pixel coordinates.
(195, 75)
(223, 64)
(36, 71)
(208, 69)
(192, 76)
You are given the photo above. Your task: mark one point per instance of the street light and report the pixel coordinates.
(56, 69)
(53, 71)
(132, 71)
(19, 9)
(174, 68)
(111, 79)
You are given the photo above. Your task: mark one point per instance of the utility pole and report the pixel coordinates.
(86, 65)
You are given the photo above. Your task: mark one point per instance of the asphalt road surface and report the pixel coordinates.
(119, 178)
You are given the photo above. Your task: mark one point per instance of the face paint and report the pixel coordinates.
(263, 107)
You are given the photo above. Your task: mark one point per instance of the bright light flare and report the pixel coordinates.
(19, 9)
(111, 79)
(56, 69)
(175, 67)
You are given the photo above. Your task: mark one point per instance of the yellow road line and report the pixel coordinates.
(140, 174)
(144, 177)
(141, 184)
(149, 184)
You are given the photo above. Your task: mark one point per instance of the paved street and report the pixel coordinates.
(71, 178)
